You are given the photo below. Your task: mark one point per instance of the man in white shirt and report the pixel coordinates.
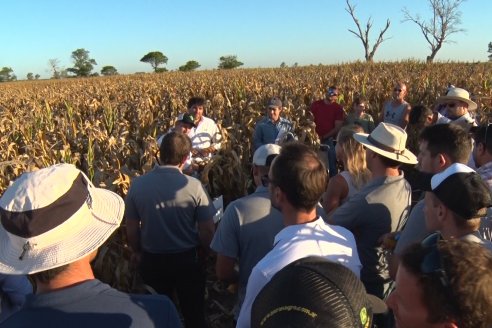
(205, 135)
(297, 179)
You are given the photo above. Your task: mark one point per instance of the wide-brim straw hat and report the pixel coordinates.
(52, 217)
(389, 141)
(460, 95)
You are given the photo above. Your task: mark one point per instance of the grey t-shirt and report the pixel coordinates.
(168, 204)
(380, 207)
(246, 232)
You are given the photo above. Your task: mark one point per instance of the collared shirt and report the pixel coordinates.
(267, 131)
(295, 242)
(169, 205)
(206, 134)
(380, 207)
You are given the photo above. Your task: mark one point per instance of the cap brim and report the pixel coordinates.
(406, 157)
(86, 237)
(471, 104)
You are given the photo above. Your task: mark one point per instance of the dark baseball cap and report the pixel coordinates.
(275, 102)
(460, 189)
(315, 292)
(187, 118)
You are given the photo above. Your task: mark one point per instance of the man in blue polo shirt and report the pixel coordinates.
(272, 129)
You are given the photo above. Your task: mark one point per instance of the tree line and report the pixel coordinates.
(444, 21)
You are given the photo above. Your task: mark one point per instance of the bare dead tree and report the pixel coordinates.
(445, 20)
(363, 35)
(54, 64)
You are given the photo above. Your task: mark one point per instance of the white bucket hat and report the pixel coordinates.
(389, 141)
(460, 95)
(52, 217)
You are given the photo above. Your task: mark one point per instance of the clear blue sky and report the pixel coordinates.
(261, 33)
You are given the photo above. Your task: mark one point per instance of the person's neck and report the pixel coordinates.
(294, 216)
(383, 171)
(76, 273)
(452, 231)
(397, 101)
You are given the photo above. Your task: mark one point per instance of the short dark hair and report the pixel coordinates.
(300, 174)
(468, 266)
(48, 275)
(196, 101)
(481, 134)
(388, 162)
(449, 139)
(174, 147)
(418, 115)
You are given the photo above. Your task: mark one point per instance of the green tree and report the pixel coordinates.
(37, 76)
(445, 20)
(30, 76)
(490, 51)
(190, 65)
(154, 58)
(7, 74)
(82, 63)
(283, 65)
(229, 62)
(109, 70)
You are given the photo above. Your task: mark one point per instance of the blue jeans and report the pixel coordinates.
(332, 157)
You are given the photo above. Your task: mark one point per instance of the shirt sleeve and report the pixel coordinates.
(216, 138)
(340, 116)
(131, 211)
(257, 138)
(256, 282)
(348, 214)
(226, 238)
(205, 208)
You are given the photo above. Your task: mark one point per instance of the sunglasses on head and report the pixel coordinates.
(432, 264)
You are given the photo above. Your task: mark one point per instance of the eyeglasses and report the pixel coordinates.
(432, 262)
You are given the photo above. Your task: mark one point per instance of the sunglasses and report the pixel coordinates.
(432, 264)
(396, 89)
(450, 105)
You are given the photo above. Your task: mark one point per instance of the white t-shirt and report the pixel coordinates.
(294, 242)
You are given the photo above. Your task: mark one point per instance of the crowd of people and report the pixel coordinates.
(394, 232)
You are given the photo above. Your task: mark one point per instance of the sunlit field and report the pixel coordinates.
(107, 126)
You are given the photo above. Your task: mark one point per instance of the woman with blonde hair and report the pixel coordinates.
(355, 173)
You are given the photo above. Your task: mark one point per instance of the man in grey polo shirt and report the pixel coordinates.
(248, 227)
(382, 205)
(169, 221)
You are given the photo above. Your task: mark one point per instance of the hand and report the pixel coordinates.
(195, 152)
(388, 240)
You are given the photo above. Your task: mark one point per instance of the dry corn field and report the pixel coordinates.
(107, 126)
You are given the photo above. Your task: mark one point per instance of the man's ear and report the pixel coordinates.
(480, 149)
(442, 160)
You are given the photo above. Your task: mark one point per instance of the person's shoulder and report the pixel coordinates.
(208, 120)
